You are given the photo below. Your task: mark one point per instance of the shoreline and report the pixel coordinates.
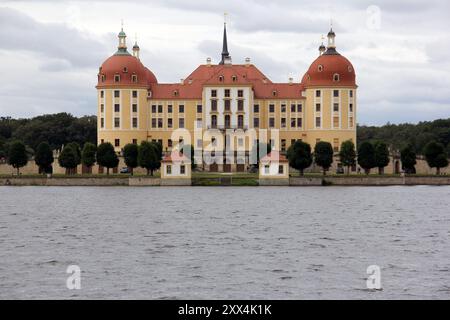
(218, 181)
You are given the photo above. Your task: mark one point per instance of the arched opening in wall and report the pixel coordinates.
(397, 167)
(336, 77)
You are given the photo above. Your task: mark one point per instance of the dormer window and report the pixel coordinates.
(320, 68)
(175, 93)
(350, 69)
(103, 78)
(221, 78)
(234, 78)
(134, 78)
(116, 78)
(274, 93)
(336, 77)
(125, 69)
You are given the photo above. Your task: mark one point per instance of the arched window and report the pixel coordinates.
(214, 121)
(234, 78)
(221, 78)
(240, 121)
(227, 121)
(125, 69)
(320, 68)
(336, 77)
(350, 69)
(116, 78)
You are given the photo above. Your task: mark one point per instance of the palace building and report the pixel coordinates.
(217, 101)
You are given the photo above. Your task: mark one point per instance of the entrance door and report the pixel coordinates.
(213, 167)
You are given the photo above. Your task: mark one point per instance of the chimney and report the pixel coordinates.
(247, 61)
(181, 81)
(208, 61)
(291, 80)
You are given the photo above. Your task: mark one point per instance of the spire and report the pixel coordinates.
(136, 48)
(322, 47)
(122, 48)
(331, 48)
(226, 59)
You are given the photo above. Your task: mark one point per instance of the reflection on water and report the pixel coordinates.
(221, 243)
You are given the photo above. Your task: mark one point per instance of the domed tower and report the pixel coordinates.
(123, 86)
(330, 85)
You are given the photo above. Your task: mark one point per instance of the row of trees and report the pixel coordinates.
(147, 155)
(370, 155)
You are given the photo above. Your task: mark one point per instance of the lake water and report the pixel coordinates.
(225, 242)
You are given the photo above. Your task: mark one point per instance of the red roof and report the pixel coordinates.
(322, 71)
(175, 156)
(125, 66)
(243, 75)
(274, 156)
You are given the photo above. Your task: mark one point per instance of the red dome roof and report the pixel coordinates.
(125, 66)
(330, 70)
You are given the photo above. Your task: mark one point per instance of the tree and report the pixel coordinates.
(381, 156)
(366, 156)
(130, 155)
(323, 155)
(149, 157)
(436, 156)
(408, 158)
(88, 155)
(106, 156)
(347, 154)
(44, 157)
(299, 156)
(69, 158)
(17, 155)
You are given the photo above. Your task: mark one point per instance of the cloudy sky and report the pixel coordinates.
(50, 51)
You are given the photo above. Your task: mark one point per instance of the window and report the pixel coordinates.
(274, 93)
(227, 104)
(283, 108)
(351, 93)
(292, 107)
(134, 141)
(169, 108)
(103, 78)
(227, 121)
(280, 169)
(256, 108)
(160, 108)
(272, 122)
(336, 145)
(214, 121)
(169, 143)
(199, 122)
(116, 107)
(199, 108)
(153, 108)
(350, 122)
(299, 122)
(292, 141)
(256, 122)
(318, 93)
(102, 122)
(317, 122)
(214, 93)
(336, 122)
(227, 93)
(183, 169)
(117, 142)
(116, 78)
(199, 143)
(240, 142)
(266, 169)
(234, 78)
(283, 145)
(102, 108)
(283, 122)
(336, 93)
(350, 107)
(169, 123)
(134, 107)
(160, 123)
(336, 107)
(292, 122)
(336, 77)
(134, 78)
(317, 107)
(116, 93)
(153, 123)
(135, 122)
(102, 94)
(214, 105)
(221, 78)
(271, 108)
(180, 123)
(181, 108)
(125, 69)
(169, 169)
(240, 104)
(240, 121)
(299, 108)
(116, 122)
(134, 94)
(320, 68)
(240, 93)
(102, 141)
(175, 93)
